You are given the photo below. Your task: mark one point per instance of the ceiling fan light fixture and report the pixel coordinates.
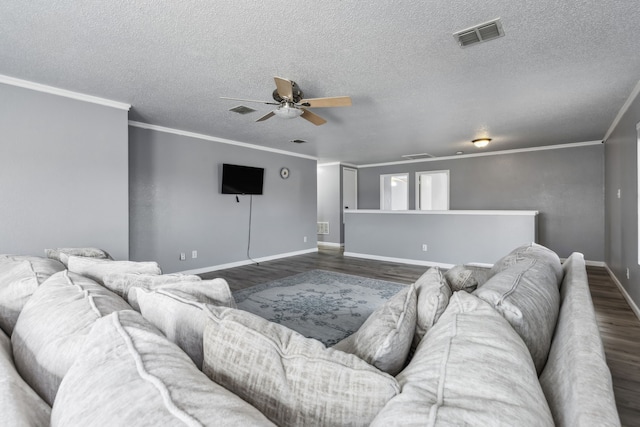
(481, 142)
(288, 112)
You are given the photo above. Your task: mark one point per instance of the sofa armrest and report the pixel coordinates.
(576, 379)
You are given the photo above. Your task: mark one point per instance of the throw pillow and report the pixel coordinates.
(527, 295)
(291, 379)
(128, 374)
(53, 326)
(19, 278)
(96, 269)
(63, 254)
(461, 278)
(121, 283)
(433, 297)
(384, 339)
(470, 369)
(181, 317)
(214, 291)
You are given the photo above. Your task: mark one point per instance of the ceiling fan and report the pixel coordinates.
(291, 103)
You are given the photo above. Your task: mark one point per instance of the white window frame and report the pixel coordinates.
(382, 187)
(418, 174)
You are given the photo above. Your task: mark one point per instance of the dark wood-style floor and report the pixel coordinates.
(619, 327)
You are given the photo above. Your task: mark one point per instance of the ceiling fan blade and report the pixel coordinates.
(250, 100)
(266, 116)
(285, 88)
(334, 101)
(312, 117)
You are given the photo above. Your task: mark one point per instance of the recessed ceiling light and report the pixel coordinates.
(481, 142)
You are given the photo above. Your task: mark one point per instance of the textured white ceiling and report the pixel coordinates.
(560, 74)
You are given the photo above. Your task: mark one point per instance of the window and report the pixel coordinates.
(394, 192)
(432, 190)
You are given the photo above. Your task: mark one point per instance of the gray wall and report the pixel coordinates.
(329, 202)
(621, 214)
(63, 174)
(176, 205)
(565, 185)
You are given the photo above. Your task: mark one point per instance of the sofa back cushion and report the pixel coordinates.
(576, 379)
(470, 369)
(19, 278)
(96, 269)
(129, 374)
(526, 294)
(53, 326)
(214, 291)
(19, 404)
(293, 380)
(384, 339)
(63, 254)
(528, 251)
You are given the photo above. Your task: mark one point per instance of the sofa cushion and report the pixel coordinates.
(470, 369)
(528, 251)
(293, 380)
(180, 317)
(129, 374)
(433, 297)
(63, 254)
(527, 295)
(19, 278)
(576, 379)
(19, 404)
(214, 291)
(96, 269)
(384, 339)
(121, 283)
(54, 325)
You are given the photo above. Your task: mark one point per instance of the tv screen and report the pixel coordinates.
(241, 179)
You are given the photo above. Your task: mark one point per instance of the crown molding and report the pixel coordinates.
(623, 110)
(216, 139)
(488, 153)
(12, 81)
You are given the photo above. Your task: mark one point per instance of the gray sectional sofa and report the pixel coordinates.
(514, 345)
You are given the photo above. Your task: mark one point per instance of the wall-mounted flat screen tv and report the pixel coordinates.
(238, 179)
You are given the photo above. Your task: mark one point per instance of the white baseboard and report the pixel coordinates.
(330, 244)
(399, 260)
(624, 292)
(247, 262)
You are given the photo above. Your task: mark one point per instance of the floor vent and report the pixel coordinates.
(418, 156)
(241, 109)
(323, 228)
(480, 33)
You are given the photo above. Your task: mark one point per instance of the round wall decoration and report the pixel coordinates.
(284, 173)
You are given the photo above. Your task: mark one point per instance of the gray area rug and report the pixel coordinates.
(319, 304)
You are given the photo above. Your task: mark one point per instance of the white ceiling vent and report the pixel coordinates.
(480, 33)
(418, 156)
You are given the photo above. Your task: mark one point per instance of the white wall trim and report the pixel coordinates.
(247, 262)
(216, 139)
(328, 164)
(624, 292)
(449, 212)
(63, 92)
(632, 96)
(330, 244)
(488, 153)
(399, 260)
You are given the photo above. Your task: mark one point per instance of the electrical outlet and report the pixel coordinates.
(627, 274)
(183, 256)
(305, 239)
(194, 254)
(424, 247)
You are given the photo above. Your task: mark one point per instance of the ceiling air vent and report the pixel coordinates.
(298, 141)
(480, 33)
(418, 156)
(241, 109)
